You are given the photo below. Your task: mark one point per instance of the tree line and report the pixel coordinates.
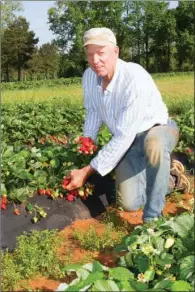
(147, 32)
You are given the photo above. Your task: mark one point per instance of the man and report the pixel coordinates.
(124, 97)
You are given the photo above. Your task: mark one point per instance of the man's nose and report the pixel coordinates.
(95, 59)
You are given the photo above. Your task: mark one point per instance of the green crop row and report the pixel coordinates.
(39, 83)
(73, 80)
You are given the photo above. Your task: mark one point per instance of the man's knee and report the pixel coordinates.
(128, 202)
(154, 150)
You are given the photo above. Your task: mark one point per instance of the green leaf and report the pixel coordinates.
(158, 243)
(55, 163)
(43, 158)
(3, 189)
(87, 282)
(164, 259)
(105, 285)
(82, 273)
(180, 286)
(181, 224)
(71, 268)
(120, 247)
(139, 286)
(163, 284)
(20, 194)
(187, 267)
(149, 275)
(50, 153)
(126, 286)
(40, 173)
(25, 153)
(97, 267)
(142, 262)
(121, 274)
(29, 207)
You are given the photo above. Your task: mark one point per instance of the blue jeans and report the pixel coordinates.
(138, 182)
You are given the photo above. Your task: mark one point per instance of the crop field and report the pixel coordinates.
(41, 126)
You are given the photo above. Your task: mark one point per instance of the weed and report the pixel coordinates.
(91, 240)
(111, 216)
(35, 253)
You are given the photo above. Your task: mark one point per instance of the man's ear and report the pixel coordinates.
(116, 51)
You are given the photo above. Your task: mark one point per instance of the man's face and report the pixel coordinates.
(102, 59)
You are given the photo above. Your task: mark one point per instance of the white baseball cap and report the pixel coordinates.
(101, 36)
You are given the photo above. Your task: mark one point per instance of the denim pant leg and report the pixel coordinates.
(157, 178)
(131, 178)
(137, 181)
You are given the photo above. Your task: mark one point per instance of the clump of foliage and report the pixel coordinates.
(35, 254)
(91, 240)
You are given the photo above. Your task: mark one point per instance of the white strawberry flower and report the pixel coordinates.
(150, 231)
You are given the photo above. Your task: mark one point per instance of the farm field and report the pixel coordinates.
(39, 127)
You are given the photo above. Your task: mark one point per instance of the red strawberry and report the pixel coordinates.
(16, 212)
(42, 141)
(84, 198)
(188, 150)
(66, 181)
(3, 206)
(4, 199)
(48, 192)
(41, 192)
(70, 197)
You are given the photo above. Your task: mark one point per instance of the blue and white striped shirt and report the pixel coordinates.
(130, 104)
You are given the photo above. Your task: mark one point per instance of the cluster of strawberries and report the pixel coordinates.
(53, 139)
(4, 204)
(82, 192)
(85, 145)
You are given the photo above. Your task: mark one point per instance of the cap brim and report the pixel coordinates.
(98, 43)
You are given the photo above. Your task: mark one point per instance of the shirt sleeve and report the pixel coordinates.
(128, 123)
(93, 121)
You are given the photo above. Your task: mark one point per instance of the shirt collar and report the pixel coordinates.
(113, 81)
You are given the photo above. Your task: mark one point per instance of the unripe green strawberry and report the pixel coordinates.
(35, 219)
(169, 242)
(43, 213)
(81, 193)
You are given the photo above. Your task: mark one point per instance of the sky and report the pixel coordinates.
(36, 14)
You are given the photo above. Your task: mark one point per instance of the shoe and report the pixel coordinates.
(179, 178)
(176, 167)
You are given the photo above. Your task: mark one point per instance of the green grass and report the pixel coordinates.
(72, 93)
(177, 92)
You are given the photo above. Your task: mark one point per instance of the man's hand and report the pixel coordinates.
(78, 177)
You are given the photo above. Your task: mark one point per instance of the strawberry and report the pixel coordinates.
(84, 198)
(66, 181)
(48, 192)
(16, 212)
(188, 150)
(41, 192)
(42, 141)
(35, 219)
(4, 199)
(81, 193)
(70, 197)
(3, 206)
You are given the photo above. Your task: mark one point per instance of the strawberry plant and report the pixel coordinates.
(186, 141)
(159, 257)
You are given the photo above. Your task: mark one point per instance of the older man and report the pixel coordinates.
(124, 97)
